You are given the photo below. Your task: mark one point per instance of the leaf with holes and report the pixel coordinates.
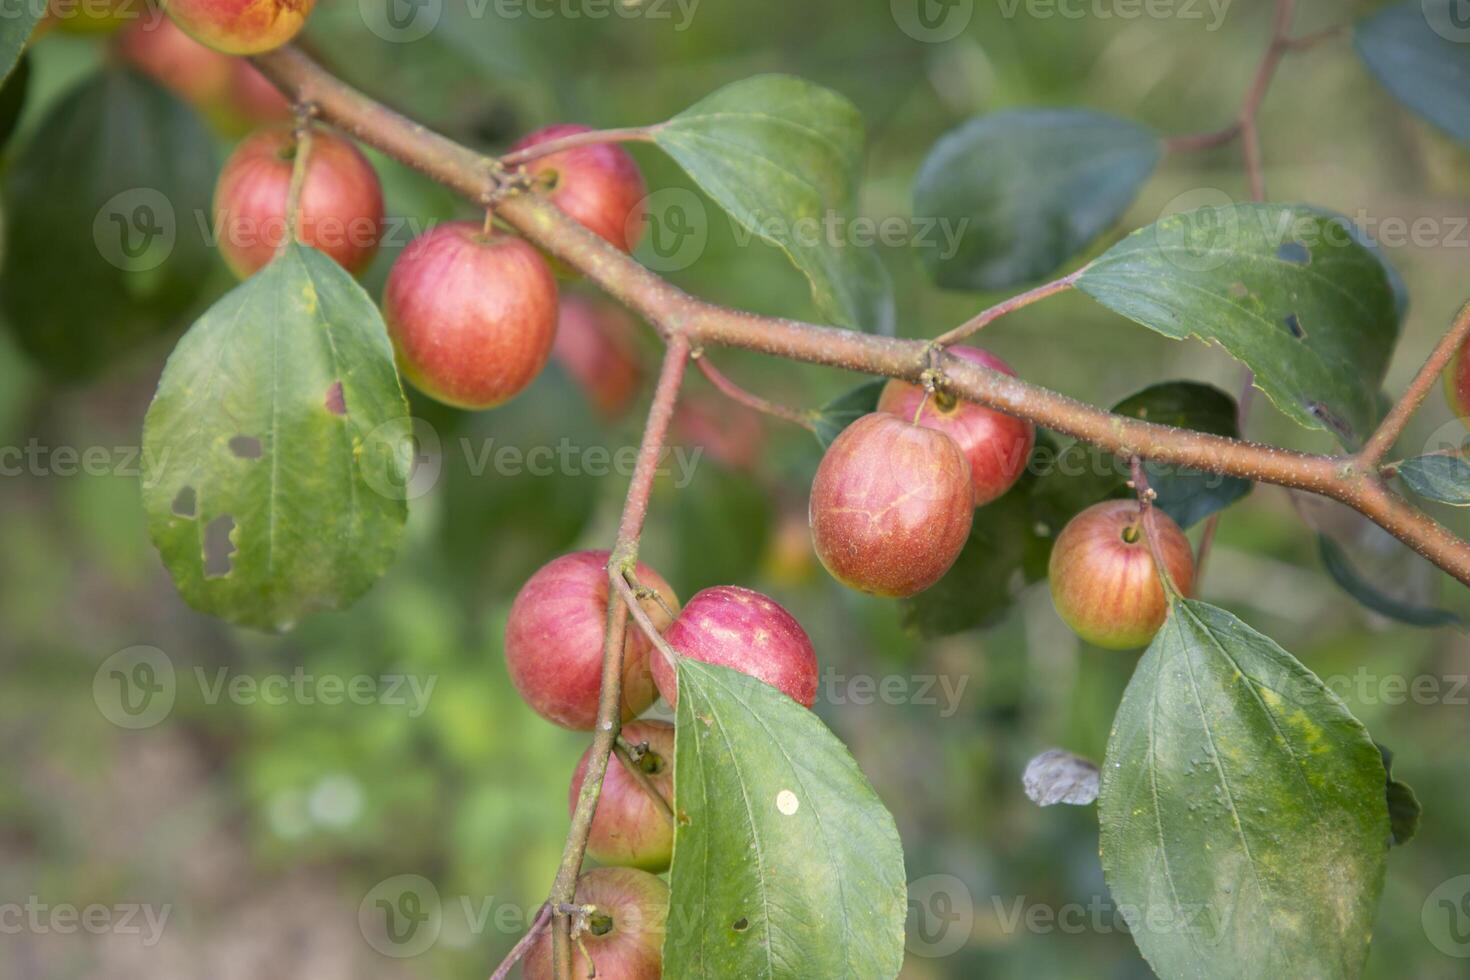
(1244, 822)
(846, 409)
(1420, 51)
(786, 863)
(784, 157)
(1287, 289)
(1019, 193)
(102, 249)
(277, 449)
(1438, 477)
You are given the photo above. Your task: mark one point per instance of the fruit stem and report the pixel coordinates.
(1149, 520)
(299, 162)
(645, 623)
(640, 776)
(538, 926)
(489, 226)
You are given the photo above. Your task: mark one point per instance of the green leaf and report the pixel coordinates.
(16, 28)
(786, 863)
(1185, 494)
(1420, 51)
(1404, 809)
(104, 249)
(276, 451)
(1343, 572)
(784, 158)
(1088, 474)
(1438, 477)
(1026, 190)
(846, 409)
(13, 98)
(1287, 289)
(1242, 809)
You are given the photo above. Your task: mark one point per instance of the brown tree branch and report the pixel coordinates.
(1398, 417)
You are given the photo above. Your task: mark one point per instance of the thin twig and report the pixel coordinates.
(999, 310)
(644, 621)
(1398, 417)
(538, 926)
(1149, 519)
(301, 140)
(610, 700)
(630, 134)
(751, 400)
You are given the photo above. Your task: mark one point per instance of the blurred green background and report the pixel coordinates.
(263, 828)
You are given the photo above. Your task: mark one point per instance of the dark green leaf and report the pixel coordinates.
(104, 247)
(16, 28)
(1026, 190)
(1352, 581)
(784, 158)
(1285, 288)
(277, 448)
(847, 408)
(13, 98)
(1243, 818)
(1404, 810)
(1420, 52)
(786, 863)
(1438, 477)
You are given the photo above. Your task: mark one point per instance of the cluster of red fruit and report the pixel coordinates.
(894, 498)
(553, 649)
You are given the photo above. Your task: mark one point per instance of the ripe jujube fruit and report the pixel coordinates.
(629, 827)
(625, 933)
(240, 26)
(1104, 582)
(471, 313)
(341, 201)
(594, 343)
(598, 185)
(553, 640)
(997, 445)
(1457, 384)
(745, 631)
(891, 506)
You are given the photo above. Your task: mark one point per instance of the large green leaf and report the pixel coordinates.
(784, 158)
(276, 451)
(1244, 820)
(786, 863)
(16, 28)
(104, 247)
(1287, 289)
(1026, 190)
(1420, 52)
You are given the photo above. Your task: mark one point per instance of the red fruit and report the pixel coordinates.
(997, 445)
(594, 342)
(599, 185)
(891, 506)
(1103, 578)
(629, 827)
(472, 315)
(625, 936)
(176, 61)
(553, 640)
(341, 201)
(1457, 384)
(745, 631)
(240, 26)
